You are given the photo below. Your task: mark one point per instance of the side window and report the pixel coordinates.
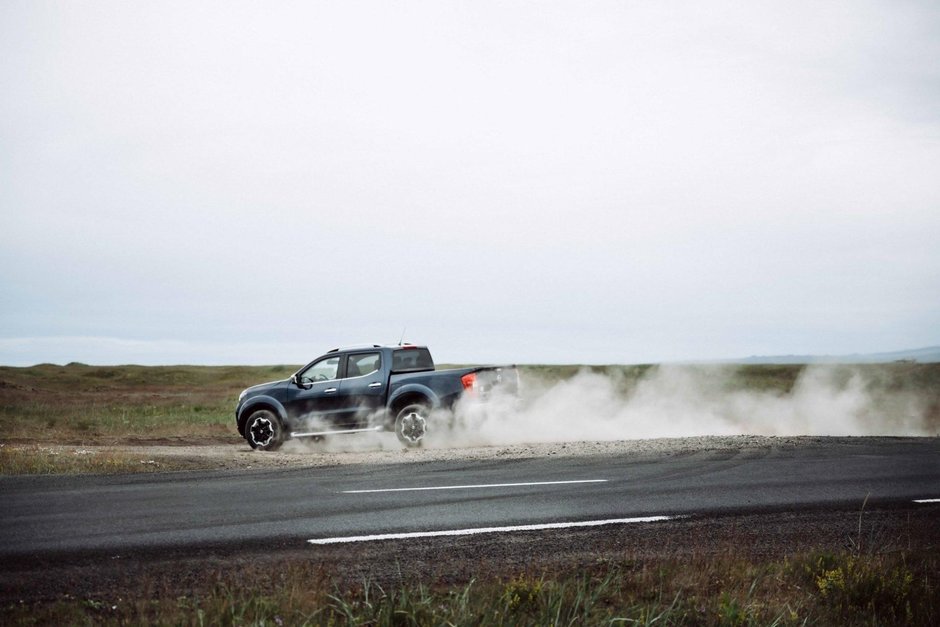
(412, 359)
(362, 364)
(323, 370)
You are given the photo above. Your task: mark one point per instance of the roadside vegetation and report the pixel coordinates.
(80, 404)
(44, 460)
(50, 413)
(821, 588)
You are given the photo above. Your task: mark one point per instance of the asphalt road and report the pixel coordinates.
(47, 515)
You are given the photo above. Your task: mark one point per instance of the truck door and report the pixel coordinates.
(315, 402)
(363, 391)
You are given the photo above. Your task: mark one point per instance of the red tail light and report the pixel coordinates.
(469, 381)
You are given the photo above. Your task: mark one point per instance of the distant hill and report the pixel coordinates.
(930, 354)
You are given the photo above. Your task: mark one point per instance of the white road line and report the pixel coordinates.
(482, 485)
(927, 500)
(470, 532)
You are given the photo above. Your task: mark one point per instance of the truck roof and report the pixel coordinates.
(343, 349)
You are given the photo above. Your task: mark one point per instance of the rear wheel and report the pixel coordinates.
(264, 430)
(411, 424)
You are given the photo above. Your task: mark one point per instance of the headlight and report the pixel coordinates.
(242, 395)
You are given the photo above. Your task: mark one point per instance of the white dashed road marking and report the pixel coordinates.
(482, 485)
(927, 500)
(470, 532)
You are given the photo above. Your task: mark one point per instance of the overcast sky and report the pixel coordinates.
(578, 182)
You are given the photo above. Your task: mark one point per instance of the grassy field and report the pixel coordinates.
(45, 406)
(80, 405)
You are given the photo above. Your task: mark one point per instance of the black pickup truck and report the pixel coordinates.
(351, 390)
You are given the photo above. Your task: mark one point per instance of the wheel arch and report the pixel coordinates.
(408, 395)
(259, 402)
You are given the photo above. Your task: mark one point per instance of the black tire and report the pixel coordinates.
(264, 430)
(411, 424)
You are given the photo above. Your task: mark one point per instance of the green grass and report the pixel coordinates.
(91, 404)
(811, 589)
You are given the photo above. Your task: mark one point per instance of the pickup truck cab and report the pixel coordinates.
(367, 388)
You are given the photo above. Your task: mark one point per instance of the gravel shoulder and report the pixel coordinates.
(375, 449)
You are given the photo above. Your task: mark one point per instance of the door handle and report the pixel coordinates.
(328, 390)
(375, 385)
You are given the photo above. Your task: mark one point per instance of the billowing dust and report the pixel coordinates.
(667, 402)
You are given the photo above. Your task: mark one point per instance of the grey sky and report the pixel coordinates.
(246, 182)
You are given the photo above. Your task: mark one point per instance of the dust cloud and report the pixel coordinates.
(666, 402)
(368, 441)
(686, 401)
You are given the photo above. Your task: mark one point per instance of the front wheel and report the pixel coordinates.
(264, 430)
(411, 424)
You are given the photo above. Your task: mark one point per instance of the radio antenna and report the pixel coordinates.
(403, 329)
